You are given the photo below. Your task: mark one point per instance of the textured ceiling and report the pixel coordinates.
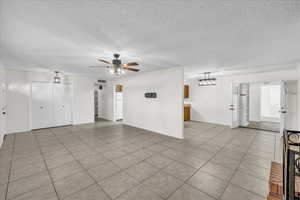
(223, 35)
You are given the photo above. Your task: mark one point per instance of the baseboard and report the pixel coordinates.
(211, 122)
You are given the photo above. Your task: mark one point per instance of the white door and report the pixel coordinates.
(62, 104)
(41, 104)
(282, 106)
(234, 107)
(2, 106)
(118, 105)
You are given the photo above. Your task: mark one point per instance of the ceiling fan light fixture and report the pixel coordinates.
(117, 68)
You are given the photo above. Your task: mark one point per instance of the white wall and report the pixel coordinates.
(163, 114)
(19, 98)
(2, 103)
(211, 103)
(254, 102)
(18, 93)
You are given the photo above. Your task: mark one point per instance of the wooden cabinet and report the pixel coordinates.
(119, 88)
(186, 91)
(187, 112)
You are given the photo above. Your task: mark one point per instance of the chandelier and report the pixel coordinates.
(207, 80)
(57, 79)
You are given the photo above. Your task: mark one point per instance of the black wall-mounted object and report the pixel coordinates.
(151, 95)
(101, 81)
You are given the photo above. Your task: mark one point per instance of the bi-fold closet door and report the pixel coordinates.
(51, 104)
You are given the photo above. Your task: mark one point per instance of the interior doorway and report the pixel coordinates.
(264, 105)
(118, 103)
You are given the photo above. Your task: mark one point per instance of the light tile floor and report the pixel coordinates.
(105, 161)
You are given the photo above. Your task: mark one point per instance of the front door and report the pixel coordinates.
(234, 107)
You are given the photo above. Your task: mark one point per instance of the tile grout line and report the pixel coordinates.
(124, 169)
(82, 168)
(10, 166)
(246, 188)
(144, 147)
(229, 181)
(186, 181)
(161, 169)
(47, 169)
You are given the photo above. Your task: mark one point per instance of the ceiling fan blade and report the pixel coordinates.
(131, 69)
(99, 67)
(131, 64)
(104, 61)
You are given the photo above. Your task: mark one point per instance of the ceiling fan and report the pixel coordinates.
(116, 67)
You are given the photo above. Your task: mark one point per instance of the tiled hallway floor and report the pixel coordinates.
(105, 161)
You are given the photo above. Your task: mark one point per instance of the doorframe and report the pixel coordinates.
(251, 82)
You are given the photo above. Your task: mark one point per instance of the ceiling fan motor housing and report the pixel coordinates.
(116, 61)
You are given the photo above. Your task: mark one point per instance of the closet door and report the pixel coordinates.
(62, 97)
(41, 104)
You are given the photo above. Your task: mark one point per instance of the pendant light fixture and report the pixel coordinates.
(57, 79)
(207, 80)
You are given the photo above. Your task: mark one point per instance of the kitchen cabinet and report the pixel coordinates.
(187, 112)
(186, 91)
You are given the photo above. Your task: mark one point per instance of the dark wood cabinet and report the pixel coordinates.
(186, 91)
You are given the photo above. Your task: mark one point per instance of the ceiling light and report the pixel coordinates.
(207, 80)
(57, 79)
